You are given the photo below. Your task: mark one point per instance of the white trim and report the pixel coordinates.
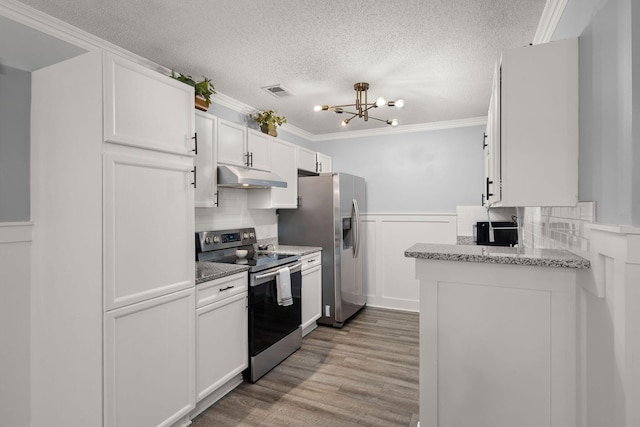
(54, 27)
(551, 15)
(422, 127)
(14, 232)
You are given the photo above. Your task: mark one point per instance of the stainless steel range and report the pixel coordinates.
(274, 327)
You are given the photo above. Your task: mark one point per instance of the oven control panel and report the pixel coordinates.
(214, 240)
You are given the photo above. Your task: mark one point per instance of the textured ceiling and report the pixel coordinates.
(438, 55)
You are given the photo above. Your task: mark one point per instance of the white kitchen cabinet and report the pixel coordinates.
(232, 143)
(306, 159)
(497, 344)
(115, 221)
(222, 341)
(491, 146)
(311, 291)
(536, 148)
(145, 109)
(323, 163)
(259, 149)
(239, 146)
(206, 161)
(150, 361)
(283, 164)
(148, 208)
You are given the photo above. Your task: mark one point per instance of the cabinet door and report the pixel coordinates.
(284, 164)
(146, 109)
(306, 159)
(311, 291)
(323, 163)
(148, 226)
(149, 361)
(492, 183)
(206, 161)
(231, 143)
(223, 349)
(259, 148)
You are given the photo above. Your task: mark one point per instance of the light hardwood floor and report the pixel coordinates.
(365, 374)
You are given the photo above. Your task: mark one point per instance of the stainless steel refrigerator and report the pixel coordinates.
(329, 216)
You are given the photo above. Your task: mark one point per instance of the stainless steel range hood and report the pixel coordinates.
(234, 177)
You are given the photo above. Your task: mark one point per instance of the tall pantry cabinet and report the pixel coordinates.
(113, 296)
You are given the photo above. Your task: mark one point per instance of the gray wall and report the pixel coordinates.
(15, 104)
(609, 165)
(421, 172)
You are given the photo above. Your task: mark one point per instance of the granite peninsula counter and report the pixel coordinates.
(498, 255)
(497, 335)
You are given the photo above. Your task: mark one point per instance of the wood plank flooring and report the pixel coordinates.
(365, 374)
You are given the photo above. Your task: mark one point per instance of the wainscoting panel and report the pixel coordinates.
(609, 324)
(15, 309)
(389, 276)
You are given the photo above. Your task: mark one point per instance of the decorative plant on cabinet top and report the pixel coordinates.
(268, 120)
(203, 89)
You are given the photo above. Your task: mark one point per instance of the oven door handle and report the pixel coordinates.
(275, 273)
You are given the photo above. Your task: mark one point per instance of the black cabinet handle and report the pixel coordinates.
(195, 138)
(489, 194)
(484, 141)
(194, 177)
(251, 157)
(216, 202)
(227, 288)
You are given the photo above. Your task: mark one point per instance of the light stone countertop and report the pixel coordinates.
(294, 250)
(498, 255)
(206, 270)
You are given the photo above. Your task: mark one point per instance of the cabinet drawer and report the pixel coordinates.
(219, 289)
(311, 260)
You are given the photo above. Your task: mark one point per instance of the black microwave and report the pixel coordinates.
(504, 233)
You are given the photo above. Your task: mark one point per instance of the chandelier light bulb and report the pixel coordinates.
(399, 103)
(393, 122)
(317, 108)
(345, 122)
(381, 102)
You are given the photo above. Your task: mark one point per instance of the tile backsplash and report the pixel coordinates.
(558, 227)
(540, 227)
(233, 212)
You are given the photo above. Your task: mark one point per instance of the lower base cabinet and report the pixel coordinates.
(223, 350)
(497, 345)
(311, 291)
(149, 361)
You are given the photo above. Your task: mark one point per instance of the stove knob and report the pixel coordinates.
(216, 239)
(207, 240)
(252, 235)
(245, 236)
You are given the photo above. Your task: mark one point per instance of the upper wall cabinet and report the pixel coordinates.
(127, 86)
(284, 165)
(311, 161)
(239, 146)
(533, 127)
(306, 159)
(323, 163)
(206, 161)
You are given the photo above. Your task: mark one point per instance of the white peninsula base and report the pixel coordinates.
(497, 344)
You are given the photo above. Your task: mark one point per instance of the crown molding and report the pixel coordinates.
(551, 15)
(54, 27)
(422, 127)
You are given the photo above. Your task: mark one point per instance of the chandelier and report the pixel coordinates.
(362, 106)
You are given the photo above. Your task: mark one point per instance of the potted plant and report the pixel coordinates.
(268, 120)
(203, 89)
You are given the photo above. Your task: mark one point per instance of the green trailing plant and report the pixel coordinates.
(268, 117)
(203, 88)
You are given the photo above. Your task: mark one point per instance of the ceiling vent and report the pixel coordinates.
(277, 90)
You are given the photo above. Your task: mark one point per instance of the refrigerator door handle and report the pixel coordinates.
(356, 229)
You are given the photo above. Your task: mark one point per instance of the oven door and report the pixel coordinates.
(268, 321)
